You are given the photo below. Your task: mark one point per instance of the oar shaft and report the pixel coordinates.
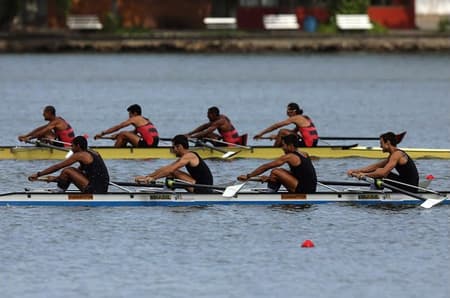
(133, 184)
(228, 143)
(42, 144)
(344, 183)
(349, 138)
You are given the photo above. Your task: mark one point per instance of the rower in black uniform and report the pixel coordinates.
(302, 176)
(90, 177)
(398, 159)
(198, 171)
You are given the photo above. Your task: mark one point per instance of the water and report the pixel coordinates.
(226, 251)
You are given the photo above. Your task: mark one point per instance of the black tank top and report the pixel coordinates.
(305, 174)
(97, 174)
(201, 174)
(408, 172)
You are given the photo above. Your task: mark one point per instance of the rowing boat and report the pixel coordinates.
(158, 197)
(259, 152)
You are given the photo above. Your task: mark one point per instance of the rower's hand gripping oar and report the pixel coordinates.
(427, 202)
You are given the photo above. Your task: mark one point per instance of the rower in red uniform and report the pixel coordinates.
(222, 123)
(144, 135)
(304, 128)
(57, 129)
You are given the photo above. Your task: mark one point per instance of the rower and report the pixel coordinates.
(300, 179)
(304, 128)
(222, 123)
(145, 134)
(91, 177)
(198, 170)
(398, 159)
(57, 129)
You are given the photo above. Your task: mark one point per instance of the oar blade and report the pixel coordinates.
(432, 202)
(232, 190)
(229, 154)
(69, 154)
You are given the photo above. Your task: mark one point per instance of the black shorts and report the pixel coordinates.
(143, 144)
(103, 188)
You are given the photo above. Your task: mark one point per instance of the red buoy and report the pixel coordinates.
(307, 243)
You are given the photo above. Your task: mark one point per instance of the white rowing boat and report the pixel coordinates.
(158, 197)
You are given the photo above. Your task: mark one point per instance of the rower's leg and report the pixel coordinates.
(284, 177)
(185, 177)
(126, 136)
(72, 175)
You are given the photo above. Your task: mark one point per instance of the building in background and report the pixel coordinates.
(183, 14)
(430, 12)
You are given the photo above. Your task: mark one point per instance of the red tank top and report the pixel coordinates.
(148, 133)
(65, 135)
(309, 134)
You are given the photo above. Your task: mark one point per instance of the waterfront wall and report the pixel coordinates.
(204, 42)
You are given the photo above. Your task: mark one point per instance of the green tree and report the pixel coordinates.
(352, 6)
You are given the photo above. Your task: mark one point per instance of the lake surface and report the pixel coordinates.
(227, 251)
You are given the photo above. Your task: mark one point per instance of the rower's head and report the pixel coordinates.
(180, 143)
(79, 143)
(49, 113)
(290, 143)
(213, 113)
(387, 140)
(134, 110)
(293, 109)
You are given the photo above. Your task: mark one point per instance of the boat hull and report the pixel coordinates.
(260, 152)
(174, 199)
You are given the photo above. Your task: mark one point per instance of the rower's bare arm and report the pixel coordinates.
(114, 128)
(65, 163)
(267, 166)
(273, 127)
(36, 133)
(368, 169)
(198, 129)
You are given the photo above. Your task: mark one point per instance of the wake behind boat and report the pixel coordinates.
(257, 152)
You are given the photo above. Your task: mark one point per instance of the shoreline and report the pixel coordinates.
(216, 41)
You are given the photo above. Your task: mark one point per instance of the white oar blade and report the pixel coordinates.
(69, 154)
(431, 202)
(229, 154)
(232, 190)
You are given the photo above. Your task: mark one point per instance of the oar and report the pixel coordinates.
(226, 154)
(134, 184)
(344, 183)
(414, 186)
(228, 143)
(113, 137)
(399, 138)
(57, 141)
(119, 186)
(427, 203)
(42, 144)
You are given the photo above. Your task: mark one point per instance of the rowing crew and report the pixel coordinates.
(92, 175)
(58, 131)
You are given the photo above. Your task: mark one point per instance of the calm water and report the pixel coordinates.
(226, 251)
